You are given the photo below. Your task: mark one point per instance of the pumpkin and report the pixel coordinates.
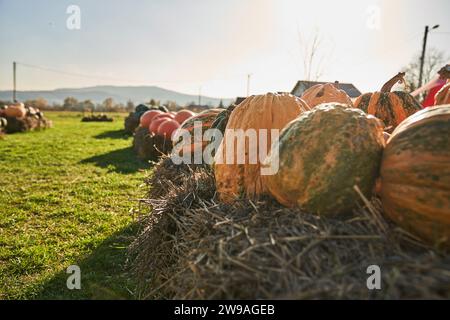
(391, 107)
(415, 175)
(153, 128)
(141, 108)
(16, 111)
(203, 120)
(261, 112)
(183, 115)
(322, 155)
(221, 120)
(167, 128)
(443, 95)
(321, 93)
(147, 117)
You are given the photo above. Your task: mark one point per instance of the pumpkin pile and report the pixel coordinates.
(20, 118)
(153, 136)
(132, 121)
(327, 159)
(347, 185)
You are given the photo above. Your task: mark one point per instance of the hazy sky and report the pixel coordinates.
(213, 44)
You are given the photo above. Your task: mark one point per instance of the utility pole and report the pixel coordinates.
(14, 81)
(248, 84)
(200, 96)
(422, 57)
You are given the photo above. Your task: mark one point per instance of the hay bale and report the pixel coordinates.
(149, 146)
(192, 247)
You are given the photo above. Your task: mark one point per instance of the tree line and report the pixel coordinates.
(73, 104)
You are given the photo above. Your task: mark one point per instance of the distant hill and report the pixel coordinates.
(121, 94)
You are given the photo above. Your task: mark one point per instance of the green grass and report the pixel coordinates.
(67, 196)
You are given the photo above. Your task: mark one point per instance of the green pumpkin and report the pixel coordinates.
(221, 121)
(322, 155)
(141, 108)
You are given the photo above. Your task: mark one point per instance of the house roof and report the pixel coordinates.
(349, 88)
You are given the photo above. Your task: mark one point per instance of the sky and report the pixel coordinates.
(210, 46)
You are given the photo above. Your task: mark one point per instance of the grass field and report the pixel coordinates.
(67, 196)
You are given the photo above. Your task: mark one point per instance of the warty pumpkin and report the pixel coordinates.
(260, 112)
(391, 107)
(415, 175)
(322, 155)
(321, 93)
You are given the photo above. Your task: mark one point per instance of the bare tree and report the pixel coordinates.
(312, 55)
(434, 60)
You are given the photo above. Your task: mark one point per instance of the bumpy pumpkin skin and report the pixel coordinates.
(391, 107)
(443, 95)
(322, 155)
(415, 175)
(269, 111)
(322, 93)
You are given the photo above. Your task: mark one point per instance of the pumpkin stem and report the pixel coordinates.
(388, 85)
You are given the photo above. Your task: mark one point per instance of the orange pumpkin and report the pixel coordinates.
(202, 122)
(415, 175)
(183, 115)
(269, 111)
(167, 128)
(147, 117)
(391, 107)
(156, 122)
(322, 93)
(443, 95)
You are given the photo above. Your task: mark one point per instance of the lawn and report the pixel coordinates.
(67, 196)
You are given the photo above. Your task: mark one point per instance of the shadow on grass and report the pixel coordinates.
(120, 161)
(113, 134)
(103, 273)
